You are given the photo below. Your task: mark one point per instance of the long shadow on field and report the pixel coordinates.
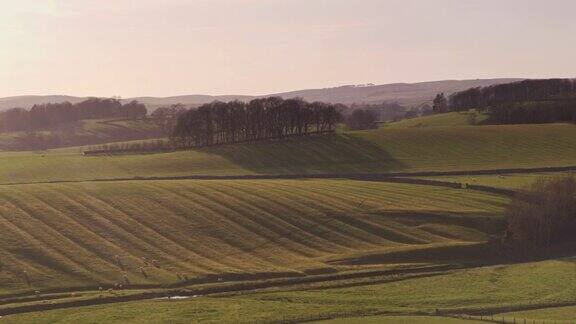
(332, 153)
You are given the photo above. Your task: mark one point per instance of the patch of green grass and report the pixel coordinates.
(117, 129)
(464, 118)
(506, 181)
(205, 310)
(555, 313)
(514, 285)
(83, 132)
(399, 320)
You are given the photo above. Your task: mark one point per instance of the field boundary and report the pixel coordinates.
(390, 177)
(507, 319)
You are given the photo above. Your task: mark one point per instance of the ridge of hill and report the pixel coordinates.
(409, 94)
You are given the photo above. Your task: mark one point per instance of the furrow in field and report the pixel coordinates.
(237, 236)
(135, 239)
(284, 223)
(306, 219)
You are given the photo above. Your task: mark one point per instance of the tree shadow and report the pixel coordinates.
(327, 154)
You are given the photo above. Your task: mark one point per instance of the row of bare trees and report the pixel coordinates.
(236, 121)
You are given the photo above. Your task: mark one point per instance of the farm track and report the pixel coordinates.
(400, 177)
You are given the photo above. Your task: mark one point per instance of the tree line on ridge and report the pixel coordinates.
(528, 101)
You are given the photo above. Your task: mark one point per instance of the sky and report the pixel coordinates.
(134, 48)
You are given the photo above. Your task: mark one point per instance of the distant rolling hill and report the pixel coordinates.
(410, 94)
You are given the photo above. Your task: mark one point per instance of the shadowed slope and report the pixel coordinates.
(375, 151)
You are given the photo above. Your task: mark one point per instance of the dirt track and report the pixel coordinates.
(404, 177)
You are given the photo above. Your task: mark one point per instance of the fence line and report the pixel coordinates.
(507, 320)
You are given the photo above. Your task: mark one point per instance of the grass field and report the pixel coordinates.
(68, 235)
(399, 320)
(121, 129)
(494, 287)
(506, 181)
(346, 236)
(382, 150)
(452, 119)
(84, 132)
(554, 313)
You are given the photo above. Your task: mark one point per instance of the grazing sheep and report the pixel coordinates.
(26, 278)
(143, 271)
(125, 278)
(118, 261)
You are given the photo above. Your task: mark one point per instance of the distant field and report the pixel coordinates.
(452, 119)
(84, 132)
(117, 130)
(507, 181)
(68, 235)
(383, 150)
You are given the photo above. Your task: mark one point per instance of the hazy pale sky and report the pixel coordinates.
(172, 47)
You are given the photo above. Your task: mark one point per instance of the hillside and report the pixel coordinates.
(83, 132)
(409, 94)
(404, 93)
(452, 119)
(29, 101)
(279, 249)
(383, 150)
(69, 235)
